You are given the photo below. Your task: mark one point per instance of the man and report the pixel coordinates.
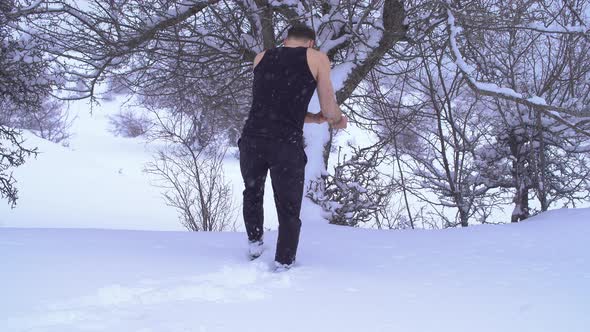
(285, 79)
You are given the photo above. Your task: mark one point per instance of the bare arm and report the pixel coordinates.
(257, 59)
(314, 118)
(328, 105)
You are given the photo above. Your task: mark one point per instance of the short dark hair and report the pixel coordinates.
(301, 31)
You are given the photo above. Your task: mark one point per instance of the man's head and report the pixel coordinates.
(301, 35)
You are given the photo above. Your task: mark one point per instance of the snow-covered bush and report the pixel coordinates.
(356, 192)
(129, 124)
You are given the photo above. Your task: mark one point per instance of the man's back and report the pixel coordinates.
(282, 88)
(272, 139)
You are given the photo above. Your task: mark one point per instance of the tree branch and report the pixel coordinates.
(393, 31)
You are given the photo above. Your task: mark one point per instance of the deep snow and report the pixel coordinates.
(531, 276)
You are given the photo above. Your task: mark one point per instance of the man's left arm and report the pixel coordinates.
(314, 118)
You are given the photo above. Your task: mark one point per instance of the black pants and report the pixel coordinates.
(286, 161)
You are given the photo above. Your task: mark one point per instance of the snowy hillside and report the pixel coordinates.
(532, 276)
(98, 180)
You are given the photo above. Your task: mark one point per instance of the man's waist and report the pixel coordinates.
(295, 138)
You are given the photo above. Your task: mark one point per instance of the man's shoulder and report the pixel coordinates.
(317, 56)
(259, 55)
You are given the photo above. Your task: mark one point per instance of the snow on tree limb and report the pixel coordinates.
(393, 30)
(167, 22)
(493, 90)
(556, 28)
(89, 44)
(20, 11)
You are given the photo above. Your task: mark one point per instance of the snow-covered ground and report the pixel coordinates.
(97, 181)
(533, 276)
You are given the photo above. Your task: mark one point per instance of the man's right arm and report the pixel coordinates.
(328, 105)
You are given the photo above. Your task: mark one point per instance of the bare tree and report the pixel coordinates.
(486, 27)
(538, 147)
(45, 118)
(195, 187)
(192, 176)
(526, 153)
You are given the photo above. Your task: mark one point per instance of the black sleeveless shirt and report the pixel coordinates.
(282, 88)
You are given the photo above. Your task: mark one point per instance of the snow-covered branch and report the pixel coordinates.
(494, 90)
(583, 29)
(163, 23)
(24, 10)
(393, 16)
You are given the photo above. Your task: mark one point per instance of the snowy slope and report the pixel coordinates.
(95, 182)
(533, 276)
(98, 180)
